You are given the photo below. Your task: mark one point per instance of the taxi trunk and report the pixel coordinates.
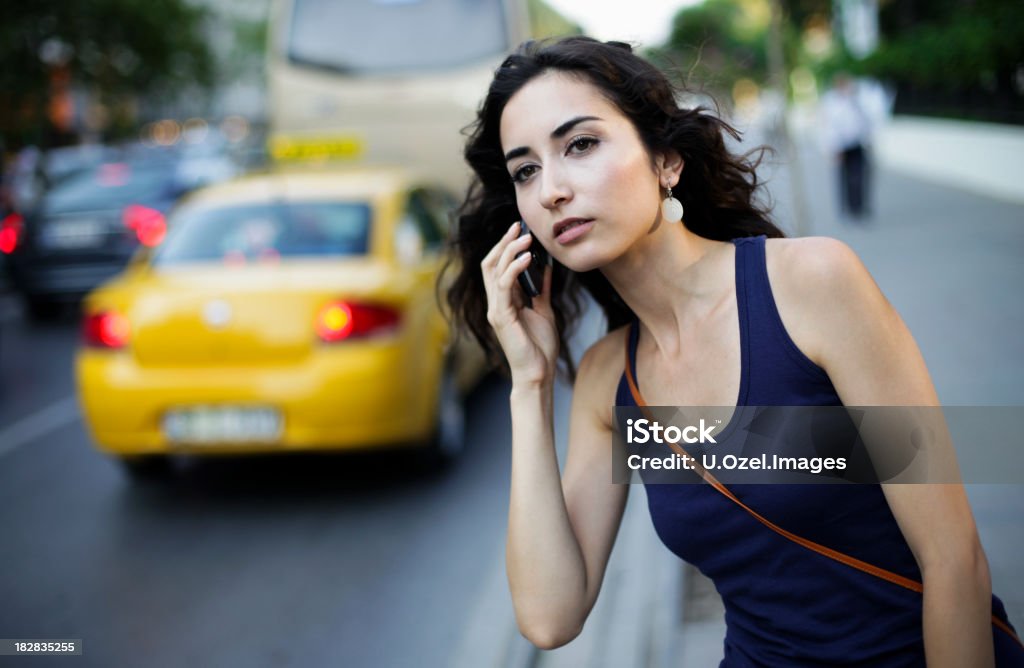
(246, 315)
(243, 347)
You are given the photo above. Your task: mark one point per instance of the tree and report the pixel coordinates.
(115, 49)
(950, 58)
(719, 42)
(547, 22)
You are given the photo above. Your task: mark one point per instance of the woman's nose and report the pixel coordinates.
(554, 188)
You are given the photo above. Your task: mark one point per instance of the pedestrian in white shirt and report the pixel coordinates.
(847, 125)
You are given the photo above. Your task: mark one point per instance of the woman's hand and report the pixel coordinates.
(527, 335)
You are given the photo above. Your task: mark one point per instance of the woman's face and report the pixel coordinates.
(584, 182)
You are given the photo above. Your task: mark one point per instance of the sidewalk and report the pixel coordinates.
(986, 159)
(655, 612)
(983, 158)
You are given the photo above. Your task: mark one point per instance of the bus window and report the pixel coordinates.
(395, 36)
(384, 82)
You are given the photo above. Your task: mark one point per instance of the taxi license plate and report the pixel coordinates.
(217, 425)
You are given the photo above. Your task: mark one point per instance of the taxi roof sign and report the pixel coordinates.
(292, 148)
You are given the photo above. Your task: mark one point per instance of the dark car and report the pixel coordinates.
(85, 229)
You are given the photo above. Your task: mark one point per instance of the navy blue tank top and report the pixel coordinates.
(784, 604)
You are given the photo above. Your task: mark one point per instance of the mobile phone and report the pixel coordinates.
(532, 278)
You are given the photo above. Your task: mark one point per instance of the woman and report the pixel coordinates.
(584, 141)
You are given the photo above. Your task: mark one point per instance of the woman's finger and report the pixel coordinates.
(507, 302)
(507, 279)
(489, 265)
(542, 302)
(503, 299)
(512, 251)
(513, 255)
(492, 256)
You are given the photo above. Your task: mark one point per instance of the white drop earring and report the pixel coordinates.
(671, 208)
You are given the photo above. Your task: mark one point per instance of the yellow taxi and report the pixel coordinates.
(288, 311)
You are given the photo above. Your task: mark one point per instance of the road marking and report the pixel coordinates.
(43, 421)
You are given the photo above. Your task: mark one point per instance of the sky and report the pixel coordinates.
(646, 22)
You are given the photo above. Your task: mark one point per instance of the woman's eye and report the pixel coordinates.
(523, 173)
(581, 144)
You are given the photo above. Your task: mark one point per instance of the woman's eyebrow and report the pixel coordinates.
(557, 133)
(560, 131)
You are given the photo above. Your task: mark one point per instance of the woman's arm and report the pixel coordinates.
(840, 319)
(560, 531)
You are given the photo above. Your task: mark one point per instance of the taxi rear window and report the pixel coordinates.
(266, 231)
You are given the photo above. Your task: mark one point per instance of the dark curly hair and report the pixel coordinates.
(718, 190)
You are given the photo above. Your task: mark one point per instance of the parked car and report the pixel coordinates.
(283, 312)
(84, 229)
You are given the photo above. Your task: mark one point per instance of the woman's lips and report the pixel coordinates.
(574, 231)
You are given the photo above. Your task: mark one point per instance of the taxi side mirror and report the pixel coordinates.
(408, 243)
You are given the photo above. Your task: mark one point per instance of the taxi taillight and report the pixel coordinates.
(106, 329)
(342, 320)
(149, 225)
(10, 232)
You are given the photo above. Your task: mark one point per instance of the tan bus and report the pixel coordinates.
(385, 81)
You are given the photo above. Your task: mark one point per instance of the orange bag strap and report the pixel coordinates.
(852, 562)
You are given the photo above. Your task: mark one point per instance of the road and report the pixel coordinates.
(295, 561)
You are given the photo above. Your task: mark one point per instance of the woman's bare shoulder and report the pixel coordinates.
(597, 378)
(813, 281)
(605, 358)
(818, 268)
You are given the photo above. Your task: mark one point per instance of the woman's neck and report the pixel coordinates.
(669, 279)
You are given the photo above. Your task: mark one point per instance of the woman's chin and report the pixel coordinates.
(583, 264)
(582, 259)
